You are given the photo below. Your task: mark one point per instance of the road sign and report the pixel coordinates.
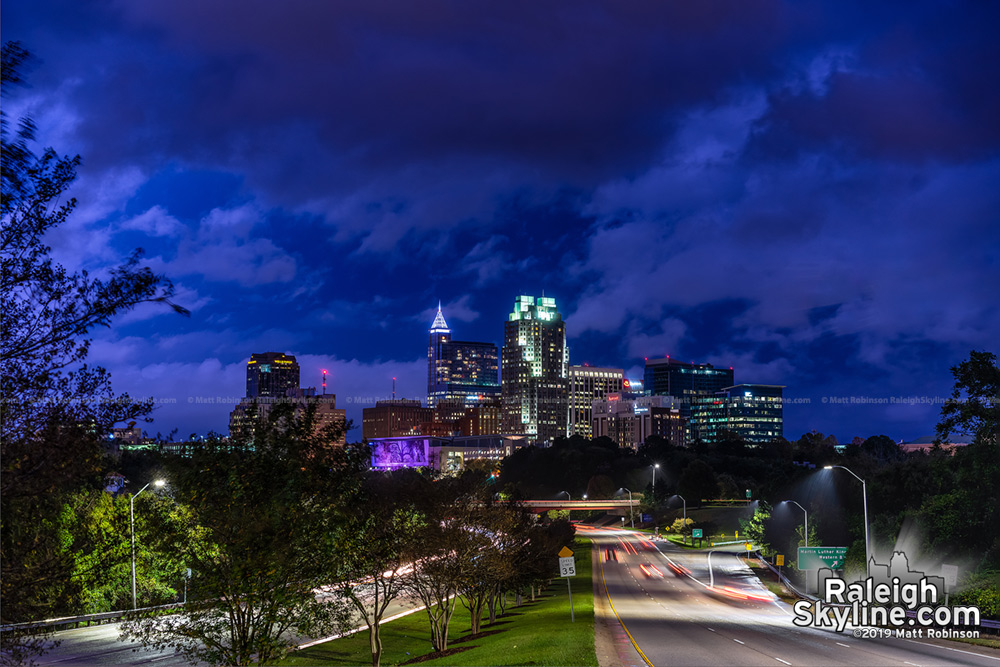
(696, 532)
(567, 567)
(646, 518)
(748, 494)
(565, 552)
(950, 575)
(747, 545)
(813, 558)
(779, 560)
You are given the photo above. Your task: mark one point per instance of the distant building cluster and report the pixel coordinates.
(483, 401)
(480, 403)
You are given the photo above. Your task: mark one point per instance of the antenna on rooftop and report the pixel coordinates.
(394, 389)
(324, 382)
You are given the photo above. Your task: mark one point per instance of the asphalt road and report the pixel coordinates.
(675, 619)
(99, 645)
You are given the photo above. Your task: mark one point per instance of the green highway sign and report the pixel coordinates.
(814, 558)
(696, 532)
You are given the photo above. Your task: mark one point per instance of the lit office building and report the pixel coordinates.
(685, 381)
(535, 370)
(462, 373)
(397, 417)
(629, 419)
(271, 374)
(447, 455)
(753, 412)
(586, 385)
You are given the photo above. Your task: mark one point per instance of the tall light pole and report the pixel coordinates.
(807, 518)
(131, 514)
(654, 467)
(631, 516)
(864, 497)
(677, 495)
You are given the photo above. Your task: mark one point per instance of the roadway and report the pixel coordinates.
(661, 596)
(100, 645)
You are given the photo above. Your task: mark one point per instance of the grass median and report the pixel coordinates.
(536, 633)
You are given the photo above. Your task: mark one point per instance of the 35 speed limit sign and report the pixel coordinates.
(567, 567)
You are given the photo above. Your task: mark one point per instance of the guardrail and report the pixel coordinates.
(83, 619)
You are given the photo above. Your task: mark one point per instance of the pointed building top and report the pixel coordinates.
(439, 323)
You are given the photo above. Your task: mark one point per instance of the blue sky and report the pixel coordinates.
(805, 191)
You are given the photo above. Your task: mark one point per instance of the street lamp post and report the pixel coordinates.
(654, 467)
(807, 518)
(131, 515)
(677, 495)
(864, 497)
(631, 516)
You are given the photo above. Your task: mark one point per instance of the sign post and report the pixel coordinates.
(779, 561)
(950, 575)
(814, 558)
(567, 568)
(696, 533)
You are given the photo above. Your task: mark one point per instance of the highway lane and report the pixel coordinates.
(678, 620)
(99, 645)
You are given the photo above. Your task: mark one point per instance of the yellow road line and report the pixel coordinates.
(622, 623)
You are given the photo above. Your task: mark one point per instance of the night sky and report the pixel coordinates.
(806, 191)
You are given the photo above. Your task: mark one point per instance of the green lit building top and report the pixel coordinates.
(534, 370)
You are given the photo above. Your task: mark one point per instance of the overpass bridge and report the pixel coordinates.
(546, 505)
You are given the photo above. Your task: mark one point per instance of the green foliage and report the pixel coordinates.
(755, 528)
(974, 408)
(56, 410)
(698, 483)
(256, 528)
(682, 526)
(981, 589)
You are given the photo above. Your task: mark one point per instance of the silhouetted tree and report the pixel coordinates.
(56, 410)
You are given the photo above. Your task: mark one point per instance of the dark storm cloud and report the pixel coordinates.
(789, 188)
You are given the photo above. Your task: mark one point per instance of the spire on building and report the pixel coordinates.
(439, 323)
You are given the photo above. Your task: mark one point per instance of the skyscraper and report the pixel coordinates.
(586, 385)
(687, 382)
(271, 374)
(459, 372)
(754, 412)
(535, 370)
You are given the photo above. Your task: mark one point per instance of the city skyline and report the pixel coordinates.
(804, 192)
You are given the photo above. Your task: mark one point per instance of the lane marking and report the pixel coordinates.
(844, 645)
(739, 642)
(783, 661)
(906, 662)
(956, 650)
(620, 622)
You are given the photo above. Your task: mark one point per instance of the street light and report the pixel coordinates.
(864, 497)
(807, 518)
(654, 467)
(131, 514)
(677, 495)
(631, 516)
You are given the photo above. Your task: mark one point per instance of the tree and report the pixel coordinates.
(442, 551)
(698, 482)
(256, 526)
(883, 449)
(974, 408)
(376, 544)
(56, 410)
(755, 528)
